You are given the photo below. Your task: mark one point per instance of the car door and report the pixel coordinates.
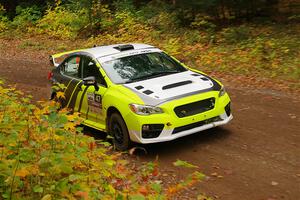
(89, 101)
(70, 77)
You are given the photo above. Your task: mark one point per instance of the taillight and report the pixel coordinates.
(50, 75)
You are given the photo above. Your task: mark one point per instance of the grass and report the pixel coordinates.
(28, 44)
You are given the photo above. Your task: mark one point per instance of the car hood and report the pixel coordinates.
(158, 90)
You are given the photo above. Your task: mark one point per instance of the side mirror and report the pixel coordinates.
(91, 81)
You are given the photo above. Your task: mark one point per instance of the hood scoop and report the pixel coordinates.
(148, 92)
(139, 87)
(173, 85)
(204, 79)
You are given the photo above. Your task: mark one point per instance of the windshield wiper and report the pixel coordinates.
(163, 73)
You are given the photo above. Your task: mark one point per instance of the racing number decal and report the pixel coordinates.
(94, 103)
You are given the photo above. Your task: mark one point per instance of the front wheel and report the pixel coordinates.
(118, 129)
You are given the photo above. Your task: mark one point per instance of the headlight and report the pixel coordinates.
(222, 91)
(144, 109)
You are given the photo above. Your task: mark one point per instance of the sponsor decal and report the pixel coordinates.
(94, 103)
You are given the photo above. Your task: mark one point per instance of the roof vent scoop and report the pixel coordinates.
(124, 47)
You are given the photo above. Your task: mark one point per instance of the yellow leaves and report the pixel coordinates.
(73, 117)
(23, 172)
(47, 197)
(45, 110)
(70, 126)
(50, 151)
(45, 137)
(181, 163)
(12, 144)
(111, 189)
(58, 138)
(60, 95)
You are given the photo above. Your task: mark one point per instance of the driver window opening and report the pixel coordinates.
(90, 69)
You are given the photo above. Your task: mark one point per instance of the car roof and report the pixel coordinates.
(101, 51)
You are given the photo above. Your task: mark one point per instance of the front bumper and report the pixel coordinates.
(166, 135)
(175, 127)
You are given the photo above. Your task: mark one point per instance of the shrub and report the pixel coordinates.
(3, 24)
(124, 5)
(235, 34)
(26, 16)
(158, 14)
(44, 155)
(3, 20)
(62, 23)
(203, 22)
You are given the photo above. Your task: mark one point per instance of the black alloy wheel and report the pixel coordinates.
(118, 130)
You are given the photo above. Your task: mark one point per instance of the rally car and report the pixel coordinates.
(138, 93)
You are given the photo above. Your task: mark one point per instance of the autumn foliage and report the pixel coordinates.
(44, 155)
(259, 47)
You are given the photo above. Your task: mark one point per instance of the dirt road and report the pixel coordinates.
(257, 156)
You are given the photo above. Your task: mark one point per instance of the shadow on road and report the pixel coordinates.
(174, 147)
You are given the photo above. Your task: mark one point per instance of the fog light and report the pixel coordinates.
(152, 130)
(228, 109)
(145, 127)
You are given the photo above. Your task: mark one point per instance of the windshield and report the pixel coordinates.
(140, 67)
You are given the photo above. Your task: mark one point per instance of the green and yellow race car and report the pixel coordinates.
(138, 93)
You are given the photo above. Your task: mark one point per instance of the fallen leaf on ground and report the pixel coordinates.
(274, 183)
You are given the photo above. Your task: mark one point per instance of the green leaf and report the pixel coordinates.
(181, 163)
(38, 189)
(106, 144)
(27, 155)
(74, 177)
(62, 119)
(156, 187)
(5, 195)
(136, 197)
(199, 175)
(119, 197)
(66, 169)
(110, 162)
(62, 185)
(52, 118)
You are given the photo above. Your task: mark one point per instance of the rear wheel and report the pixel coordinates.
(118, 129)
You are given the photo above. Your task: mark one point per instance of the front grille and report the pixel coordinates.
(195, 108)
(195, 125)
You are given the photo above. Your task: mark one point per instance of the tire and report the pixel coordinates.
(119, 131)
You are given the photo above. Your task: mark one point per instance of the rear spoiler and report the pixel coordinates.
(57, 59)
(53, 63)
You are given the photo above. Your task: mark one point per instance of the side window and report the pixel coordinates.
(71, 67)
(90, 69)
